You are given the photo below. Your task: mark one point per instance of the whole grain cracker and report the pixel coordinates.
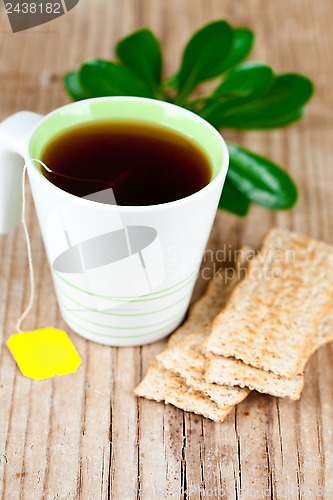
(161, 384)
(231, 371)
(221, 370)
(272, 315)
(187, 360)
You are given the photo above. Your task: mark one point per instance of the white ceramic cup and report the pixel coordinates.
(123, 275)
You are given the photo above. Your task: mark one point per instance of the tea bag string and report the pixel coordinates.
(29, 254)
(28, 245)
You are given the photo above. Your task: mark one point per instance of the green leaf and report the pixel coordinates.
(247, 79)
(242, 43)
(280, 105)
(241, 46)
(242, 84)
(204, 55)
(280, 121)
(103, 78)
(260, 180)
(73, 86)
(233, 200)
(141, 53)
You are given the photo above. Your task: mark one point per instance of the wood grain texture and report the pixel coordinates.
(85, 436)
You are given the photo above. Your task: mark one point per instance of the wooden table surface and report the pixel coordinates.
(85, 435)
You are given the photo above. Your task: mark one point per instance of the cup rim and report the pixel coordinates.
(129, 208)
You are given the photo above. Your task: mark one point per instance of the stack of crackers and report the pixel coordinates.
(254, 332)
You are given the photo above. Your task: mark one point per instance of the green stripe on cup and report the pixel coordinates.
(186, 281)
(108, 313)
(108, 336)
(143, 327)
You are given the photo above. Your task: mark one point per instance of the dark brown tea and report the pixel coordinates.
(144, 165)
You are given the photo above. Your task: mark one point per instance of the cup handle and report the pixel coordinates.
(15, 132)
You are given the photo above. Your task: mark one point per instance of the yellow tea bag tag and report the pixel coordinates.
(44, 353)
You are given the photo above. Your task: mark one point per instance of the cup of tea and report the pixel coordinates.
(126, 190)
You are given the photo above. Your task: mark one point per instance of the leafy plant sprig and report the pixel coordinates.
(247, 96)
